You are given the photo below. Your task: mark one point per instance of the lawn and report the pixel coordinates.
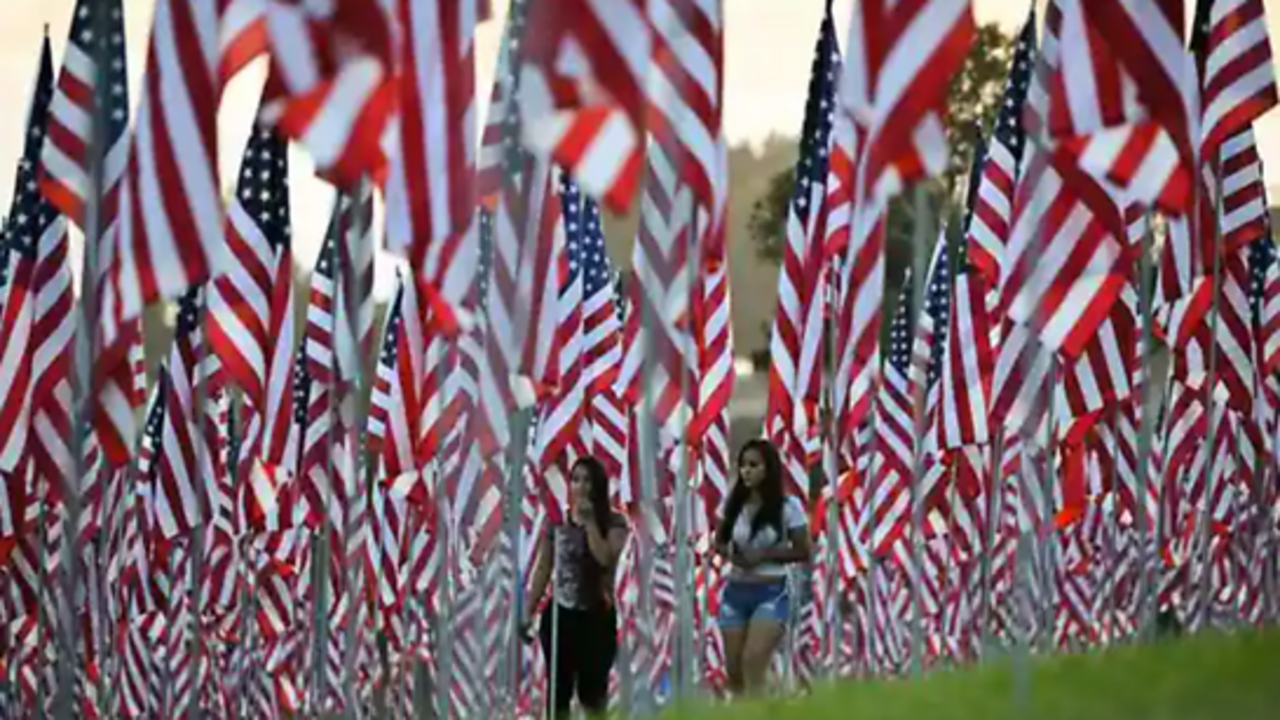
(1211, 677)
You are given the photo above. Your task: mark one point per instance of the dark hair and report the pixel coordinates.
(771, 498)
(592, 572)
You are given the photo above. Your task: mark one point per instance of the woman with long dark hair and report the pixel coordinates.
(582, 553)
(761, 532)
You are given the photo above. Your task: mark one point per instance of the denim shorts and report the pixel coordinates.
(743, 602)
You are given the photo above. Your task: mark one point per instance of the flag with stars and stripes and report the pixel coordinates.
(795, 345)
(968, 361)
(64, 176)
(36, 328)
(991, 204)
(185, 457)
(251, 309)
(430, 187)
(560, 439)
(894, 440)
(602, 345)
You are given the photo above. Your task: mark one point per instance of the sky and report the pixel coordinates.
(768, 52)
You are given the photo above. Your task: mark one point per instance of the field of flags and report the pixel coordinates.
(1068, 434)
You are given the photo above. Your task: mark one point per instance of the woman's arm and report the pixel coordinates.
(541, 573)
(799, 550)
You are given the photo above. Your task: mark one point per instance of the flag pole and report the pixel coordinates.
(1146, 434)
(320, 538)
(196, 561)
(994, 508)
(683, 667)
(1205, 513)
(920, 263)
(444, 615)
(82, 393)
(650, 503)
(354, 411)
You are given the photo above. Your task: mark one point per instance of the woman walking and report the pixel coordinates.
(582, 553)
(760, 533)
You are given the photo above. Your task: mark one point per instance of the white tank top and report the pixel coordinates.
(793, 518)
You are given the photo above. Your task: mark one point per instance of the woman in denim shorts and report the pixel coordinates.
(761, 531)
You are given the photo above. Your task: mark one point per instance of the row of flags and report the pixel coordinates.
(267, 543)
(1021, 403)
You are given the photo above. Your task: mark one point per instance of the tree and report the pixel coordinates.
(972, 103)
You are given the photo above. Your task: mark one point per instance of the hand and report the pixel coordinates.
(748, 557)
(582, 512)
(526, 629)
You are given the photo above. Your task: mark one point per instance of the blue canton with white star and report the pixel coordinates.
(263, 189)
(597, 276)
(83, 34)
(1009, 130)
(900, 337)
(819, 113)
(30, 215)
(937, 302)
(392, 335)
(571, 209)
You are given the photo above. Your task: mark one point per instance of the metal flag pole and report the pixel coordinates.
(321, 537)
(82, 383)
(683, 665)
(196, 563)
(353, 411)
(994, 507)
(1146, 434)
(1205, 513)
(650, 503)
(920, 262)
(1045, 545)
(444, 616)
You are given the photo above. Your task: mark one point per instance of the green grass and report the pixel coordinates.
(1211, 677)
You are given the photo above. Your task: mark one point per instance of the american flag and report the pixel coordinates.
(1070, 222)
(662, 289)
(394, 408)
(589, 118)
(38, 226)
(991, 208)
(1126, 110)
(894, 99)
(894, 443)
(638, 68)
(968, 361)
(527, 239)
(64, 179)
(171, 226)
(1237, 76)
(333, 86)
(795, 346)
(500, 136)
(65, 160)
(431, 181)
(242, 35)
(185, 456)
(251, 317)
(602, 335)
(560, 427)
(34, 229)
(473, 467)
(929, 346)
